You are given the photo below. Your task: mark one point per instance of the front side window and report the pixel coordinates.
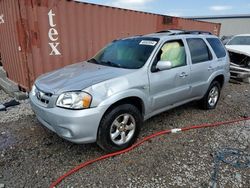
(129, 53)
(240, 40)
(216, 44)
(199, 50)
(173, 51)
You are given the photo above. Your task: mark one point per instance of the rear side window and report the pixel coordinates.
(219, 50)
(199, 50)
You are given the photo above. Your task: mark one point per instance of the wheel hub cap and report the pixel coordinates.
(122, 129)
(213, 96)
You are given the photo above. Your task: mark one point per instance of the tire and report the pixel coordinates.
(213, 92)
(116, 130)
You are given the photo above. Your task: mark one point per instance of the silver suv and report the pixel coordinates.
(107, 98)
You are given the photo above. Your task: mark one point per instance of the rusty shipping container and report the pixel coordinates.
(37, 36)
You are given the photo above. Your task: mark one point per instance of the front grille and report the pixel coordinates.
(43, 97)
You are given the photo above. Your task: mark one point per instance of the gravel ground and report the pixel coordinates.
(14, 113)
(32, 156)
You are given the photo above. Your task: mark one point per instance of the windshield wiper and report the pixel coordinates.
(109, 63)
(93, 60)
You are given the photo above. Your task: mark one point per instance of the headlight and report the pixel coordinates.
(33, 90)
(74, 100)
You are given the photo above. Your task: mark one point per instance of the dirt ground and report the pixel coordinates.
(32, 156)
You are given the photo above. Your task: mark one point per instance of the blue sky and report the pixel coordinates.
(181, 8)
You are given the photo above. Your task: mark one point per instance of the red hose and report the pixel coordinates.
(82, 165)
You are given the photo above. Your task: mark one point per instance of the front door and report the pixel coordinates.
(168, 87)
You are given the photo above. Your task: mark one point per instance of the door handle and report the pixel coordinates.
(183, 74)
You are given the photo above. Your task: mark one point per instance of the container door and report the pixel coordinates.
(11, 39)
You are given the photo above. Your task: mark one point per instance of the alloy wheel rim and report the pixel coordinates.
(213, 96)
(122, 129)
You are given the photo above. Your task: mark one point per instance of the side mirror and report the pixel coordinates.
(164, 65)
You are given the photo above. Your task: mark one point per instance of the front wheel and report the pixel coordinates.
(119, 128)
(210, 100)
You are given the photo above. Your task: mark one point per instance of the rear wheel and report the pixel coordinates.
(210, 100)
(119, 128)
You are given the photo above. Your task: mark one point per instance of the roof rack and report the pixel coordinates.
(171, 31)
(180, 32)
(197, 32)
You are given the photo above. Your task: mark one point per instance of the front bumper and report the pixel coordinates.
(78, 126)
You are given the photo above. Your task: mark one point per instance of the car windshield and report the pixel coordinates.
(129, 53)
(240, 40)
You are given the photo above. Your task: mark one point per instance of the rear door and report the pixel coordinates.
(168, 87)
(222, 64)
(202, 65)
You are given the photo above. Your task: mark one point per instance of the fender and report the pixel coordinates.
(110, 91)
(135, 92)
(214, 75)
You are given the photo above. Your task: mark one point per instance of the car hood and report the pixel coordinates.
(76, 77)
(241, 49)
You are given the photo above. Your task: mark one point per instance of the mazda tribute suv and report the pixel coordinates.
(107, 98)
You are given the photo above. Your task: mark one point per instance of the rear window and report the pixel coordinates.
(218, 49)
(199, 50)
